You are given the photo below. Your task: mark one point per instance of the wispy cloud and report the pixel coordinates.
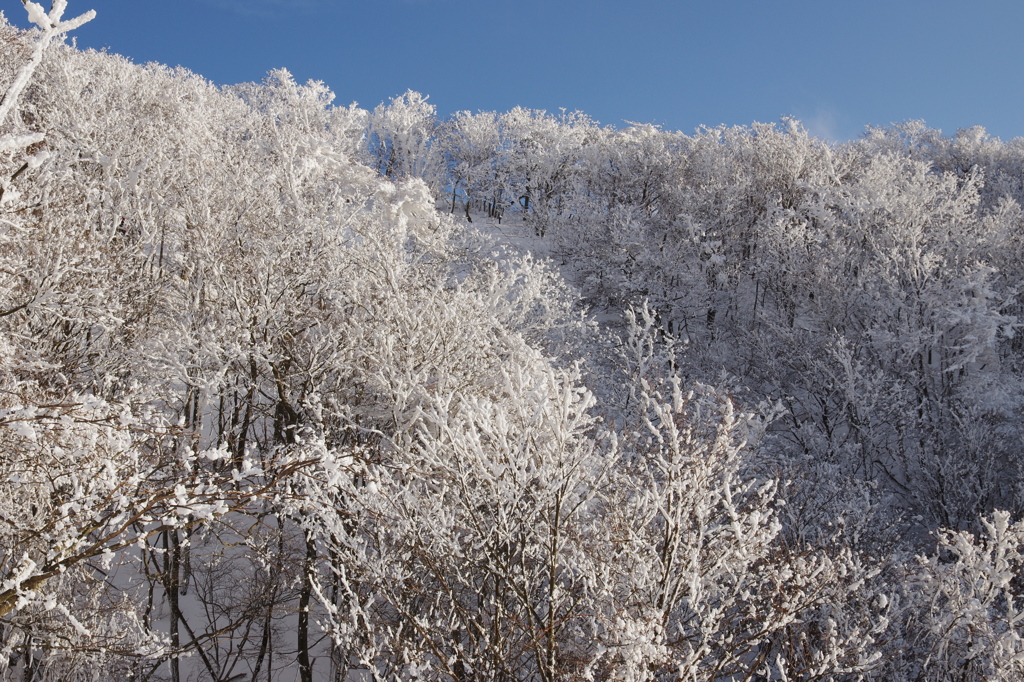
(824, 123)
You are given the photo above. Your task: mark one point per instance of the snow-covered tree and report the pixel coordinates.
(401, 139)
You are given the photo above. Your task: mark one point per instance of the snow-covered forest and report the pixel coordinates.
(295, 391)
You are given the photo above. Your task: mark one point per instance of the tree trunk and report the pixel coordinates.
(305, 665)
(171, 589)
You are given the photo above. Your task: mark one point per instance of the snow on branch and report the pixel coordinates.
(51, 27)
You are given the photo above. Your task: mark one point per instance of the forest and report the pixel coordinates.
(282, 399)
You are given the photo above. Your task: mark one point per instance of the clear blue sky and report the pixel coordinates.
(835, 65)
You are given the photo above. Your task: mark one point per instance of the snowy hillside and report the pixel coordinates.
(294, 391)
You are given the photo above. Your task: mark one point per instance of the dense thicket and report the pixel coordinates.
(271, 409)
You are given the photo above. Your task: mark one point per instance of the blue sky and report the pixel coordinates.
(836, 66)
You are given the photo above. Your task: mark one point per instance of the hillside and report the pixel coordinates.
(294, 391)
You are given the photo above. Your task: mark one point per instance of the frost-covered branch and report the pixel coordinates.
(50, 27)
